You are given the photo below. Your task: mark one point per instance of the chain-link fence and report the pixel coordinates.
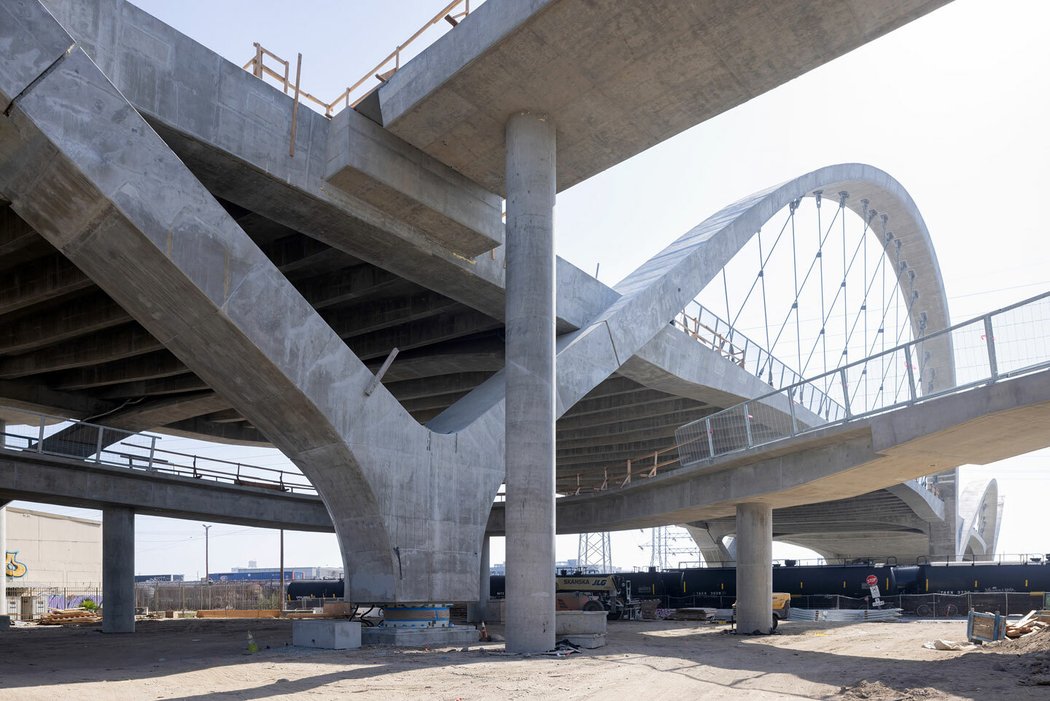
(196, 596)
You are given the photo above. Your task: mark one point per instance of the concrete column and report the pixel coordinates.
(530, 383)
(754, 568)
(118, 570)
(476, 611)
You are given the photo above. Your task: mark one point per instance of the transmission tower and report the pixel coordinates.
(669, 544)
(595, 551)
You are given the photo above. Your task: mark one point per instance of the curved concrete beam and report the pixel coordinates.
(658, 290)
(926, 505)
(980, 510)
(81, 165)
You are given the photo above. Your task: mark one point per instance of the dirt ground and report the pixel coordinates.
(190, 659)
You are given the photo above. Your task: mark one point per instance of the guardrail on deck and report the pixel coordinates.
(1011, 341)
(102, 445)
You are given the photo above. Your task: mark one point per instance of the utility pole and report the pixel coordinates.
(207, 572)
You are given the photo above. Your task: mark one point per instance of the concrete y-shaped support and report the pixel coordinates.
(83, 167)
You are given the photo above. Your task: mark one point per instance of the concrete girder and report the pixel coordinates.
(83, 441)
(613, 437)
(100, 312)
(346, 285)
(102, 347)
(240, 433)
(631, 420)
(132, 341)
(66, 322)
(375, 315)
(39, 399)
(604, 409)
(225, 416)
(44, 281)
(406, 390)
(176, 384)
(297, 255)
(18, 242)
(144, 228)
(441, 327)
(435, 365)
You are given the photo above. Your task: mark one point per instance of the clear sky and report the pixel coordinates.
(954, 106)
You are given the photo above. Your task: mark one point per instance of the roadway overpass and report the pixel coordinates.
(175, 260)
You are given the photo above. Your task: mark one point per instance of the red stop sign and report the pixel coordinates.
(872, 580)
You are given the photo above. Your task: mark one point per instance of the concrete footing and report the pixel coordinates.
(586, 629)
(327, 634)
(419, 637)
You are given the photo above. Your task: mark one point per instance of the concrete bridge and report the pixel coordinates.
(185, 249)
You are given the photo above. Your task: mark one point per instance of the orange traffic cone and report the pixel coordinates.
(483, 633)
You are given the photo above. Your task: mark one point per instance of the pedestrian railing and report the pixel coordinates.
(113, 447)
(452, 14)
(1009, 342)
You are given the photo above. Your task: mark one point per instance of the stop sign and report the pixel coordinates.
(872, 580)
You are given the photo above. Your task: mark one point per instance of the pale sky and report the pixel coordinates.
(954, 106)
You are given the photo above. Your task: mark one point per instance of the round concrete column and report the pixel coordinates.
(530, 383)
(118, 570)
(754, 568)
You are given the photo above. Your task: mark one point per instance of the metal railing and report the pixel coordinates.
(1011, 341)
(452, 13)
(113, 447)
(715, 333)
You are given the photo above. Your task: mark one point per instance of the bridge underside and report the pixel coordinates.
(877, 525)
(176, 257)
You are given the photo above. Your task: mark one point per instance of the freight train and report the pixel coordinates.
(849, 580)
(675, 586)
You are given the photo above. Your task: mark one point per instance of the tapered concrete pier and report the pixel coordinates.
(754, 568)
(118, 570)
(530, 376)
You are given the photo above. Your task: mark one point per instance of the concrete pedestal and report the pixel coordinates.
(530, 378)
(118, 570)
(419, 637)
(754, 568)
(327, 635)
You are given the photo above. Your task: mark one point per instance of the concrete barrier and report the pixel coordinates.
(584, 628)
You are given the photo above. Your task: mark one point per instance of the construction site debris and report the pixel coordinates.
(57, 617)
(1034, 622)
(844, 615)
(947, 645)
(694, 614)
